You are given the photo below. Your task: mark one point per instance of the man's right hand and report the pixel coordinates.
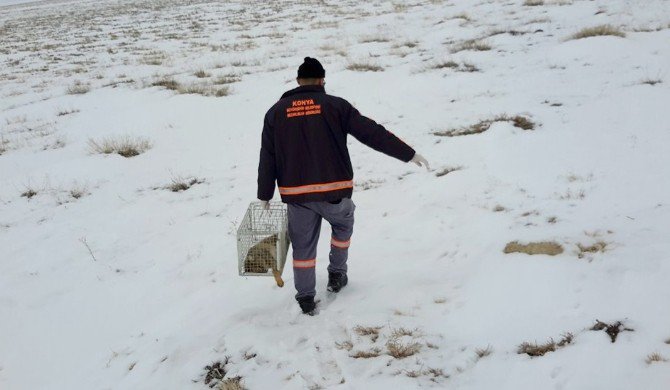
(265, 205)
(420, 161)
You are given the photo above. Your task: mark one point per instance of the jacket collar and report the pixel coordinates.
(304, 88)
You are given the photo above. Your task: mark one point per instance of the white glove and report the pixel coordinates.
(265, 205)
(420, 161)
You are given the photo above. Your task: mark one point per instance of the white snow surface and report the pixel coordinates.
(157, 298)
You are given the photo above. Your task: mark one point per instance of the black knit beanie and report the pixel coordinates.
(311, 69)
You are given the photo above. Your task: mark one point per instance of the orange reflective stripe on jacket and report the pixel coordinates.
(310, 188)
(310, 263)
(339, 244)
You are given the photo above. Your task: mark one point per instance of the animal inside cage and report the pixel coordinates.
(262, 241)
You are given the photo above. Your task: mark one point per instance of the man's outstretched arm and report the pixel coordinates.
(378, 138)
(267, 172)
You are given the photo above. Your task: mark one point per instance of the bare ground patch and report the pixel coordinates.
(550, 248)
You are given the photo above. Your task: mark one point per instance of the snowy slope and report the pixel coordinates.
(110, 281)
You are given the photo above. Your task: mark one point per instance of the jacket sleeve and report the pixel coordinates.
(376, 136)
(267, 172)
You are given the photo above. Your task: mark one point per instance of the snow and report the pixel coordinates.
(157, 298)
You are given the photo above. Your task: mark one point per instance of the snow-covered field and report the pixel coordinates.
(110, 280)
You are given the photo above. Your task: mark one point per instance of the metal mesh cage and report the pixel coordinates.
(262, 240)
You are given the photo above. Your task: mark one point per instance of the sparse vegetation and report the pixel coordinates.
(345, 345)
(374, 38)
(446, 171)
(197, 89)
(483, 125)
(612, 330)
(534, 349)
(533, 3)
(167, 83)
(372, 353)
(483, 352)
(227, 79)
(534, 248)
(29, 193)
(180, 184)
(78, 191)
(78, 88)
(498, 208)
(372, 331)
(400, 350)
(216, 372)
(201, 74)
(471, 45)
(444, 64)
(655, 358)
(596, 247)
(651, 82)
(364, 67)
(125, 146)
(602, 30)
(231, 384)
(67, 112)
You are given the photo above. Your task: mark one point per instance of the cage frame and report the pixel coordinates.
(252, 231)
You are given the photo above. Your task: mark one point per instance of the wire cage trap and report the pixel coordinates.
(262, 241)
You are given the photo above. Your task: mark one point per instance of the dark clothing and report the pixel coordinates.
(304, 146)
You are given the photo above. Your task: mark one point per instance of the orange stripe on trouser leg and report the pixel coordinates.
(340, 244)
(310, 263)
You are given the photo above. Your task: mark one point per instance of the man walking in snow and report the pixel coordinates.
(304, 148)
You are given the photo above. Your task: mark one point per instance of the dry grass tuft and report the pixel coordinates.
(180, 184)
(599, 246)
(231, 384)
(444, 64)
(400, 350)
(483, 352)
(201, 74)
(167, 83)
(364, 67)
(533, 3)
(78, 192)
(372, 331)
(227, 79)
(471, 45)
(373, 353)
(125, 146)
(655, 358)
(518, 121)
(602, 30)
(78, 88)
(534, 349)
(446, 171)
(67, 112)
(374, 38)
(534, 248)
(651, 82)
(612, 330)
(345, 345)
(28, 193)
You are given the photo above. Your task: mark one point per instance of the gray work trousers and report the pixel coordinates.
(304, 226)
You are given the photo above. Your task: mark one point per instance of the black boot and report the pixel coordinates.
(336, 280)
(307, 305)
